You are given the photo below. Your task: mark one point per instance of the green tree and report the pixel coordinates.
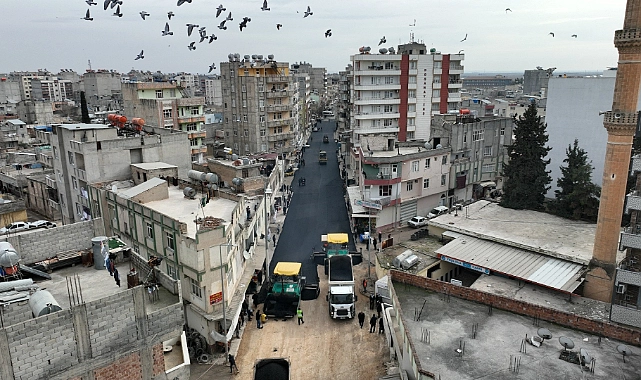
(527, 179)
(84, 109)
(578, 197)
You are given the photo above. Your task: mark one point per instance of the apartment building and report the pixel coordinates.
(212, 90)
(102, 90)
(317, 76)
(167, 105)
(258, 105)
(87, 153)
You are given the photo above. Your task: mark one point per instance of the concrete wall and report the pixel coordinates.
(43, 244)
(13, 313)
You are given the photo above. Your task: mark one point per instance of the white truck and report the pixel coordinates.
(341, 295)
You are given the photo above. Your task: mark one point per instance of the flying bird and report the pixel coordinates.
(144, 14)
(507, 9)
(220, 9)
(181, 2)
(229, 18)
(222, 25)
(328, 33)
(464, 39)
(192, 46)
(117, 12)
(552, 34)
(308, 12)
(382, 41)
(212, 67)
(167, 32)
(212, 38)
(414, 24)
(140, 56)
(170, 13)
(278, 26)
(574, 36)
(91, 2)
(87, 16)
(243, 24)
(202, 38)
(115, 2)
(190, 28)
(264, 7)
(460, 51)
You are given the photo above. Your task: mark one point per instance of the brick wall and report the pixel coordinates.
(159, 360)
(13, 313)
(43, 244)
(166, 318)
(112, 323)
(128, 367)
(562, 318)
(42, 346)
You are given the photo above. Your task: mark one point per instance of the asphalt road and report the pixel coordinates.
(316, 208)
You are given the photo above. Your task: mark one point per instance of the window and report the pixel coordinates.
(55, 153)
(169, 240)
(74, 182)
(412, 65)
(244, 103)
(235, 133)
(411, 121)
(245, 118)
(172, 93)
(389, 80)
(427, 163)
(502, 133)
(261, 88)
(435, 107)
(166, 114)
(444, 160)
(411, 94)
(389, 65)
(149, 230)
(438, 64)
(487, 151)
(409, 186)
(193, 142)
(415, 166)
(388, 108)
(411, 108)
(196, 290)
(387, 122)
(195, 111)
(243, 88)
(261, 118)
(385, 190)
(487, 168)
(412, 80)
(246, 132)
(376, 94)
(436, 93)
(477, 135)
(262, 133)
(410, 135)
(233, 102)
(375, 80)
(171, 271)
(426, 183)
(443, 179)
(158, 94)
(192, 127)
(71, 162)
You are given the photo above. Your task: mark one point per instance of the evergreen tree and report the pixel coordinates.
(84, 109)
(578, 197)
(526, 178)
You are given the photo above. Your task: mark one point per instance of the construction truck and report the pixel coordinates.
(322, 157)
(338, 262)
(284, 291)
(272, 369)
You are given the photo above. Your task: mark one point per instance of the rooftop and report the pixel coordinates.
(154, 165)
(530, 230)
(488, 353)
(82, 126)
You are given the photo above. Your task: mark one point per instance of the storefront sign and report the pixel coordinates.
(465, 265)
(216, 298)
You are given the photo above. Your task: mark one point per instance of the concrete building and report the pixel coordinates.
(258, 109)
(535, 82)
(188, 82)
(36, 112)
(87, 153)
(212, 90)
(12, 132)
(39, 190)
(486, 81)
(343, 103)
(167, 105)
(317, 76)
(478, 153)
(10, 94)
(51, 89)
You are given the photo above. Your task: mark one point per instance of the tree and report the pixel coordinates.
(526, 178)
(578, 197)
(84, 109)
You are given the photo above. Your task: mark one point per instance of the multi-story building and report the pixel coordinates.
(477, 153)
(87, 153)
(40, 189)
(343, 104)
(51, 89)
(213, 91)
(10, 94)
(485, 81)
(317, 76)
(102, 90)
(166, 105)
(535, 82)
(258, 105)
(188, 82)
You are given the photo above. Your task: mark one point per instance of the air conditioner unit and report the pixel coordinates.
(621, 288)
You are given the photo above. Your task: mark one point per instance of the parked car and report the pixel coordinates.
(417, 222)
(436, 211)
(42, 224)
(14, 227)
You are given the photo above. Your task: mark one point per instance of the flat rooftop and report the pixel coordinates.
(450, 322)
(154, 165)
(530, 230)
(75, 127)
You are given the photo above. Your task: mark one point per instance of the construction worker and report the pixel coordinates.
(299, 314)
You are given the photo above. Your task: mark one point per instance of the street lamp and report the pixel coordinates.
(268, 191)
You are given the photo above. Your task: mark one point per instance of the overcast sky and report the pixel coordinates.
(39, 34)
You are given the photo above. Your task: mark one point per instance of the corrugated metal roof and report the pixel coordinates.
(514, 262)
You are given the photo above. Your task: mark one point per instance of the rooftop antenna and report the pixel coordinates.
(89, 61)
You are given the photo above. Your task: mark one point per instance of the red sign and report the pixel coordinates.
(215, 298)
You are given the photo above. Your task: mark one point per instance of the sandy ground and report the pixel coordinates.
(321, 348)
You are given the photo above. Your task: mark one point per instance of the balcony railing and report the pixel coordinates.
(191, 119)
(54, 205)
(280, 136)
(632, 202)
(278, 107)
(630, 239)
(279, 123)
(277, 79)
(51, 182)
(279, 94)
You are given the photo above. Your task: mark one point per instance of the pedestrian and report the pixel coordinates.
(361, 318)
(260, 277)
(371, 302)
(263, 319)
(364, 284)
(232, 363)
(274, 239)
(278, 229)
(379, 308)
(374, 241)
(258, 325)
(299, 314)
(241, 318)
(367, 242)
(248, 212)
(380, 237)
(285, 210)
(381, 327)
(372, 323)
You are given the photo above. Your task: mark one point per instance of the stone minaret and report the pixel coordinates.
(621, 123)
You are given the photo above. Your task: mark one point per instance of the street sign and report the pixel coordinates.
(216, 298)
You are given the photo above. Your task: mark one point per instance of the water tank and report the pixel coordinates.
(230, 56)
(237, 181)
(382, 50)
(260, 56)
(427, 146)
(245, 161)
(246, 57)
(211, 177)
(189, 192)
(9, 257)
(270, 57)
(100, 248)
(195, 174)
(42, 303)
(234, 157)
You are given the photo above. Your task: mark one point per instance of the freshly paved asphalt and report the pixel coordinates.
(316, 208)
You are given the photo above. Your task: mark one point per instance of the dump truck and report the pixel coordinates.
(284, 291)
(322, 157)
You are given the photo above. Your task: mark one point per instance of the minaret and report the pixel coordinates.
(620, 123)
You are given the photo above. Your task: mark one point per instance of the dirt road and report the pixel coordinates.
(321, 348)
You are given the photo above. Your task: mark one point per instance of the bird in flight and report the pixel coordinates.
(574, 36)
(243, 24)
(460, 51)
(308, 12)
(382, 41)
(414, 24)
(192, 46)
(140, 56)
(144, 14)
(220, 9)
(229, 18)
(328, 33)
(91, 2)
(464, 39)
(190, 28)
(278, 26)
(507, 9)
(552, 34)
(113, 3)
(181, 2)
(167, 32)
(212, 67)
(88, 16)
(117, 12)
(170, 13)
(212, 38)
(264, 7)
(222, 25)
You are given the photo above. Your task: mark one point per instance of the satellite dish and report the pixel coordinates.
(114, 188)
(427, 146)
(236, 56)
(367, 48)
(382, 50)
(439, 146)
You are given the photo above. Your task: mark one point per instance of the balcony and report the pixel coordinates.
(197, 134)
(456, 69)
(280, 136)
(198, 149)
(629, 239)
(54, 205)
(51, 182)
(196, 101)
(378, 86)
(277, 79)
(83, 201)
(80, 174)
(379, 115)
(278, 107)
(191, 119)
(279, 94)
(632, 202)
(280, 123)
(364, 100)
(636, 163)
